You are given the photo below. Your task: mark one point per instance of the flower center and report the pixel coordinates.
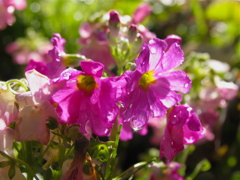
(86, 83)
(147, 79)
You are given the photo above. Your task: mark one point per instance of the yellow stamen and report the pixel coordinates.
(86, 82)
(147, 79)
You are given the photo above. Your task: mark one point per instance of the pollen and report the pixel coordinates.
(86, 82)
(147, 79)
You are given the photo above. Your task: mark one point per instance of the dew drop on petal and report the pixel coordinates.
(174, 121)
(186, 85)
(120, 104)
(153, 50)
(135, 125)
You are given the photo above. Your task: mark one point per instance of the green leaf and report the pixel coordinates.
(4, 164)
(11, 171)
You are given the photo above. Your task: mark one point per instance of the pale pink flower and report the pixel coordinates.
(7, 8)
(33, 47)
(31, 121)
(8, 109)
(6, 142)
(142, 11)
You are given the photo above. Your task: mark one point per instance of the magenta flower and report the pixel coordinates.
(151, 87)
(170, 39)
(89, 100)
(56, 66)
(183, 127)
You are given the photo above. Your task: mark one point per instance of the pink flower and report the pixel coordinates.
(157, 125)
(170, 39)
(142, 11)
(18, 4)
(7, 8)
(6, 143)
(89, 99)
(8, 109)
(22, 53)
(151, 87)
(56, 66)
(35, 110)
(183, 127)
(94, 43)
(227, 90)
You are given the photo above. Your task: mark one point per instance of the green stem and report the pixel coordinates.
(7, 156)
(45, 150)
(30, 170)
(56, 174)
(132, 170)
(16, 81)
(29, 157)
(111, 163)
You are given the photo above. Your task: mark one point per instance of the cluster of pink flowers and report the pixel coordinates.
(7, 8)
(96, 102)
(87, 98)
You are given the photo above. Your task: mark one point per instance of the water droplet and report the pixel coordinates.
(135, 125)
(120, 104)
(186, 85)
(153, 50)
(175, 116)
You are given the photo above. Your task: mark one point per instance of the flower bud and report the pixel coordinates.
(130, 66)
(114, 23)
(137, 45)
(132, 33)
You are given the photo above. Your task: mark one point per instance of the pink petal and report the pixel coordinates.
(141, 12)
(171, 59)
(92, 68)
(178, 80)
